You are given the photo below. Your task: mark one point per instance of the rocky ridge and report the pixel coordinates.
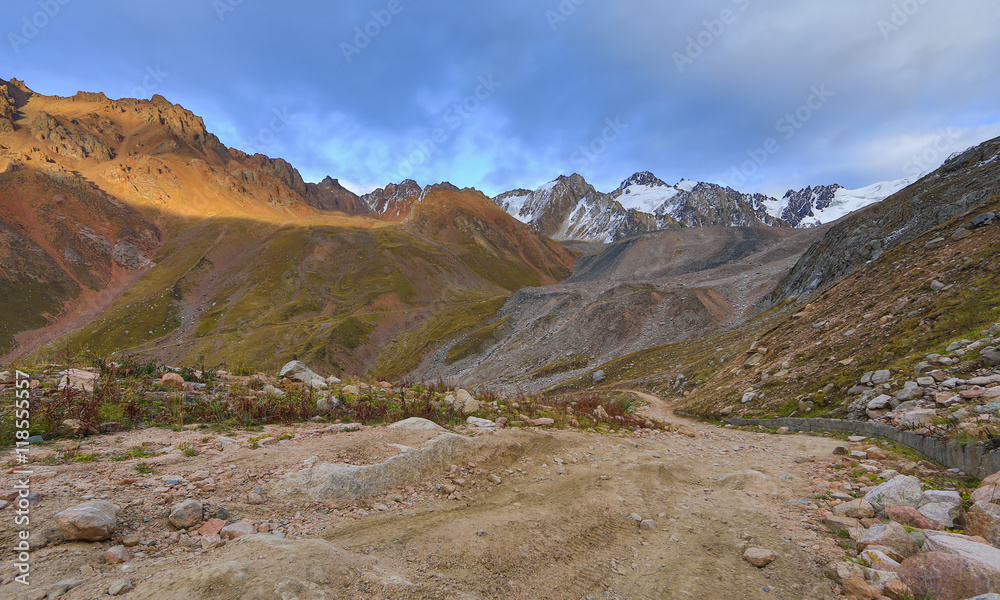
(569, 208)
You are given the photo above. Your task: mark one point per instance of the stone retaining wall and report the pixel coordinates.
(974, 459)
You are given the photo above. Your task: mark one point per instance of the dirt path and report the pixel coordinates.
(559, 525)
(661, 410)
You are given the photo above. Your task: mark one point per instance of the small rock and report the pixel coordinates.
(908, 516)
(121, 586)
(542, 421)
(855, 509)
(859, 588)
(92, 521)
(187, 514)
(759, 557)
(254, 498)
(647, 525)
(477, 422)
(880, 377)
(598, 376)
(173, 380)
(211, 527)
(117, 555)
(895, 589)
(237, 530)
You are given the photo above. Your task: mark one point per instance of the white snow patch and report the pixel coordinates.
(686, 184)
(645, 198)
(847, 201)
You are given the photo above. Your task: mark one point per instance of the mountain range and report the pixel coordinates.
(126, 226)
(569, 208)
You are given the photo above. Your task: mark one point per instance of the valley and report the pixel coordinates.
(443, 394)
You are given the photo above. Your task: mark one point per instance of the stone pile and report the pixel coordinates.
(907, 541)
(934, 398)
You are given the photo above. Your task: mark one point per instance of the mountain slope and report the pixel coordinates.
(644, 291)
(876, 307)
(145, 234)
(962, 184)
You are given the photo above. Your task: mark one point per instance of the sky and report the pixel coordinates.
(761, 95)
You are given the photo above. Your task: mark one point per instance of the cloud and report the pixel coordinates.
(368, 83)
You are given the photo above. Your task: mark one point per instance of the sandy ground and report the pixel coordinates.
(559, 525)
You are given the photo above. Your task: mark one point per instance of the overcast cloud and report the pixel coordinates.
(760, 95)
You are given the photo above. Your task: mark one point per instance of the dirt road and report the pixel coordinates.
(559, 525)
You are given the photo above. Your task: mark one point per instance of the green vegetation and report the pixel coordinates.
(563, 365)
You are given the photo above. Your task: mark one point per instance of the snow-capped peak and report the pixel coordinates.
(644, 178)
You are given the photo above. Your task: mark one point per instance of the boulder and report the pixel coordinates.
(896, 590)
(840, 572)
(879, 402)
(935, 496)
(856, 509)
(237, 530)
(187, 514)
(298, 371)
(907, 394)
(859, 588)
(465, 402)
(889, 534)
(351, 390)
(903, 490)
(964, 546)
(983, 520)
(78, 379)
(947, 576)
(880, 377)
(910, 517)
(173, 380)
(92, 521)
(327, 403)
(880, 561)
(941, 514)
(991, 357)
(416, 424)
(477, 422)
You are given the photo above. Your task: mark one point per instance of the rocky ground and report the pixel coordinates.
(507, 513)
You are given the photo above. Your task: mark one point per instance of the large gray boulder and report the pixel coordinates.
(297, 371)
(902, 490)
